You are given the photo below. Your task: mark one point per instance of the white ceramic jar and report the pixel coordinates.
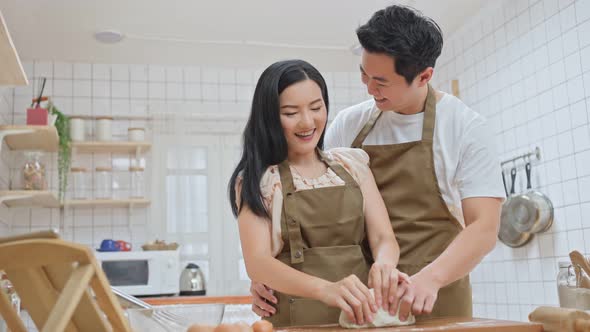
(136, 134)
(77, 130)
(103, 128)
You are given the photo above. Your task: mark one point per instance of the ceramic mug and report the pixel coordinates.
(123, 245)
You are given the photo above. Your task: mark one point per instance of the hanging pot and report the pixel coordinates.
(508, 234)
(532, 211)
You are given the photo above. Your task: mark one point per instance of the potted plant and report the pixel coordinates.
(62, 124)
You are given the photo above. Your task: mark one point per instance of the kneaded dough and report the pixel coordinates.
(381, 319)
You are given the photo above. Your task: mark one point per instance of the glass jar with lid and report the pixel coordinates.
(80, 183)
(137, 182)
(103, 184)
(34, 175)
(570, 294)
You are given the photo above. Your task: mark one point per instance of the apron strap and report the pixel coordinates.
(429, 115)
(293, 226)
(360, 138)
(338, 169)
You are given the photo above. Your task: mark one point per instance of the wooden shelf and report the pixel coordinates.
(113, 203)
(38, 138)
(111, 147)
(39, 198)
(11, 69)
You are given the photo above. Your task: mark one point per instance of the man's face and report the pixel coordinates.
(389, 89)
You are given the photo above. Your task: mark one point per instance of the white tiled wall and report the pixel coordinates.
(136, 91)
(526, 66)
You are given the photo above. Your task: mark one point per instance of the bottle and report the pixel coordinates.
(137, 182)
(103, 182)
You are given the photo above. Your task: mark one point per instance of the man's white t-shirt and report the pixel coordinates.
(465, 160)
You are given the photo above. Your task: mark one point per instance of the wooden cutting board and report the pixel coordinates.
(438, 324)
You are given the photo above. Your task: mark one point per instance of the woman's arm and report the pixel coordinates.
(349, 294)
(384, 276)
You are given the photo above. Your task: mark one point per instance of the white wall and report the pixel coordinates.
(526, 66)
(173, 97)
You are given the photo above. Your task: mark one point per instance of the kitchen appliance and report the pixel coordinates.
(192, 281)
(142, 272)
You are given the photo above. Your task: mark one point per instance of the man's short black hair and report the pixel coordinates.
(412, 39)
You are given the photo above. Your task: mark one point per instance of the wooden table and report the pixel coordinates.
(198, 300)
(439, 324)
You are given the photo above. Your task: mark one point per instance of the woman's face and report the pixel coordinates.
(303, 116)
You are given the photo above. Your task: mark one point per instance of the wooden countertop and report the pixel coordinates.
(198, 300)
(438, 324)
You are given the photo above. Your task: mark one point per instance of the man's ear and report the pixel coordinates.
(425, 76)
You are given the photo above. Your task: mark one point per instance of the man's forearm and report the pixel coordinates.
(464, 253)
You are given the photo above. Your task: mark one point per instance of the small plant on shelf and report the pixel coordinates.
(62, 124)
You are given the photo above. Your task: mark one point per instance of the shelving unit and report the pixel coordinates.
(37, 138)
(11, 69)
(111, 147)
(37, 198)
(112, 203)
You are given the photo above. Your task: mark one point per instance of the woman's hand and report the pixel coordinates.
(384, 279)
(352, 297)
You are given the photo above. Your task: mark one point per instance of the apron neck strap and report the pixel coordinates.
(360, 138)
(429, 115)
(337, 168)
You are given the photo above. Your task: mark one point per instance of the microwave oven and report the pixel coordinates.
(142, 273)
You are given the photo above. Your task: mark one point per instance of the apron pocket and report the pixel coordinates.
(312, 312)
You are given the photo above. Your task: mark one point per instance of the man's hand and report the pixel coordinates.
(418, 296)
(262, 296)
(384, 279)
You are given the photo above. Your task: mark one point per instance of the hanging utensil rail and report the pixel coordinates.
(536, 153)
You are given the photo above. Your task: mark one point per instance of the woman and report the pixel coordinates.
(302, 212)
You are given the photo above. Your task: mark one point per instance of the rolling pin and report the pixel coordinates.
(561, 319)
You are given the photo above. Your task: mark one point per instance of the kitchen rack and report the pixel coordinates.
(535, 153)
(38, 198)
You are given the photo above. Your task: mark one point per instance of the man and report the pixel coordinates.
(433, 160)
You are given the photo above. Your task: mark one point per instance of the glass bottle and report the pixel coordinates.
(137, 182)
(80, 183)
(103, 182)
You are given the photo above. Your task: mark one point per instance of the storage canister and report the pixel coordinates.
(80, 183)
(136, 134)
(77, 130)
(103, 182)
(137, 182)
(103, 128)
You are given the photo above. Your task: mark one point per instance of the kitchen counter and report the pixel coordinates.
(438, 324)
(198, 300)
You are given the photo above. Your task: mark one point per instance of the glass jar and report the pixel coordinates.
(8, 290)
(34, 175)
(137, 182)
(80, 183)
(103, 182)
(569, 293)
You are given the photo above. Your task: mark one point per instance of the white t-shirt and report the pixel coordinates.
(465, 160)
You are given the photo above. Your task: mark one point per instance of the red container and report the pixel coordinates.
(37, 116)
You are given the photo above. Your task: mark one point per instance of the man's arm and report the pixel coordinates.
(482, 220)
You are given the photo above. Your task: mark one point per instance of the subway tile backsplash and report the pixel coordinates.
(525, 64)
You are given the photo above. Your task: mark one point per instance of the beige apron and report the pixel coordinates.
(420, 218)
(322, 230)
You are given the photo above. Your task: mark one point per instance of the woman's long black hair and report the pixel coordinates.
(263, 138)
